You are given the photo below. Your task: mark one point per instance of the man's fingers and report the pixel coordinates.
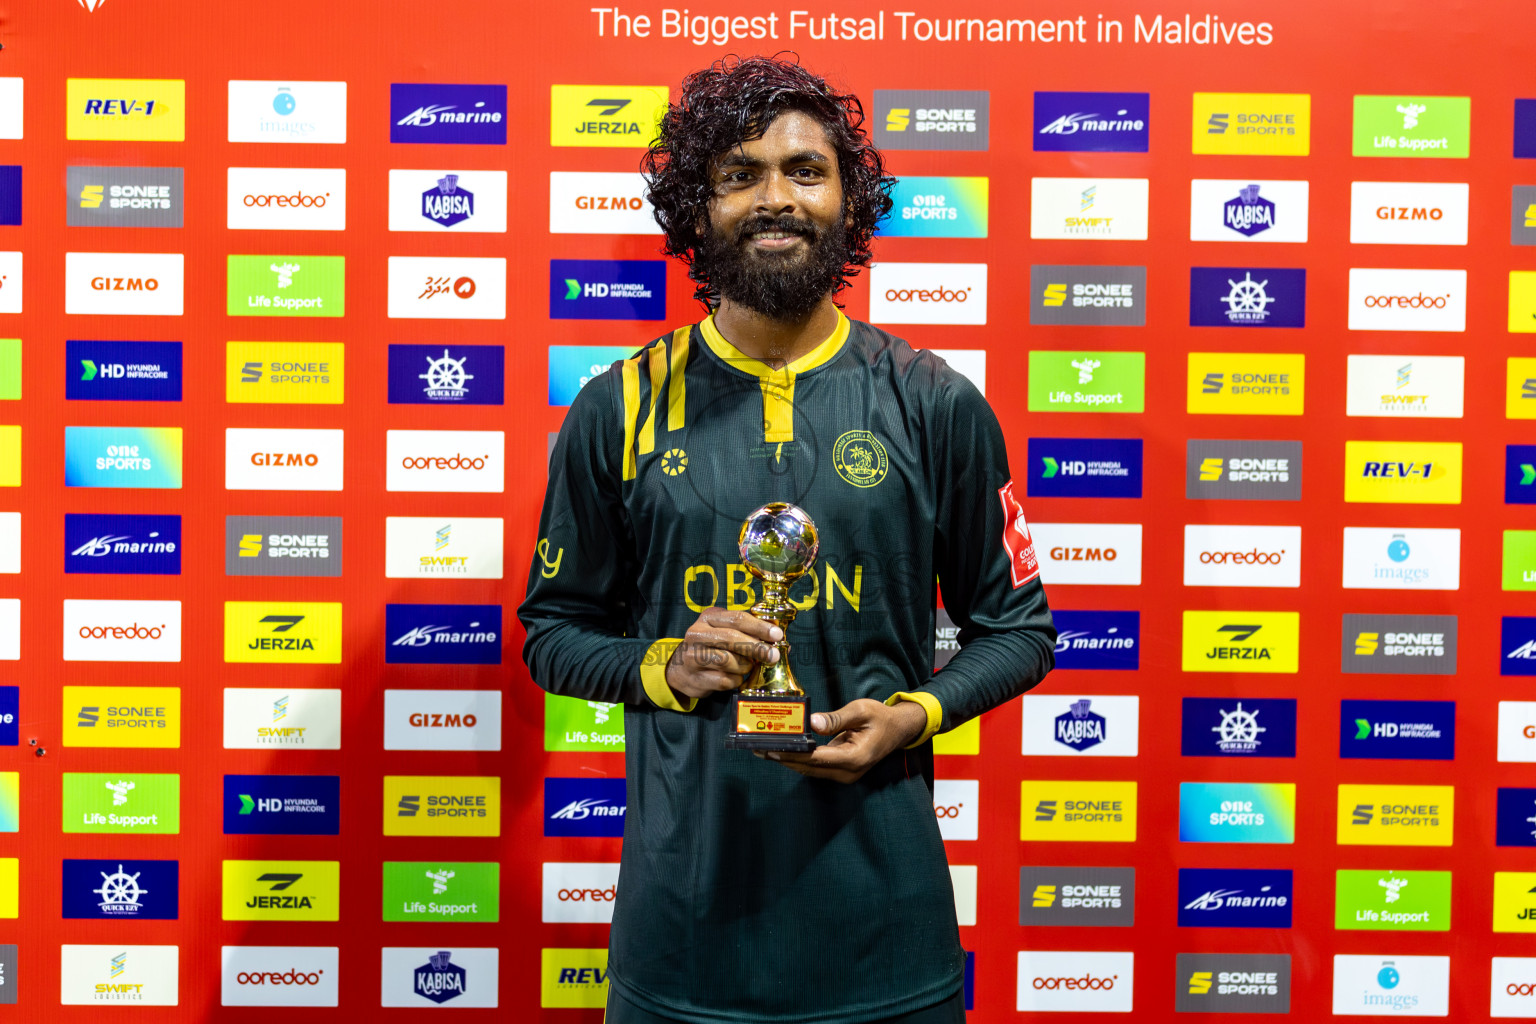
(698, 640)
(744, 622)
(827, 722)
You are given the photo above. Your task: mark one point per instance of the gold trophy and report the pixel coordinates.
(778, 545)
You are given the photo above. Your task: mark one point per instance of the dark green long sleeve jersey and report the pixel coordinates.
(748, 892)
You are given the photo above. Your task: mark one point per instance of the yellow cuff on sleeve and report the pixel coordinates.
(653, 676)
(930, 704)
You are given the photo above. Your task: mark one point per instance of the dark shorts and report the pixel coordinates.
(949, 1011)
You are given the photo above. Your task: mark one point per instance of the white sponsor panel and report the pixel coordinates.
(1088, 208)
(282, 111)
(116, 283)
(1391, 986)
(412, 194)
(962, 878)
(1404, 558)
(445, 460)
(280, 459)
(1514, 986)
(11, 119)
(957, 805)
(970, 363)
(443, 547)
(10, 629)
(1093, 553)
(447, 288)
(1410, 387)
(407, 973)
(1407, 300)
(1242, 556)
(928, 293)
(1070, 725)
(599, 203)
(1517, 731)
(580, 893)
(119, 975)
(10, 542)
(10, 282)
(282, 718)
(1408, 212)
(1246, 210)
(287, 198)
(122, 630)
(1066, 982)
(280, 976)
(442, 719)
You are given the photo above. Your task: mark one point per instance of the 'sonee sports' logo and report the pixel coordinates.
(860, 458)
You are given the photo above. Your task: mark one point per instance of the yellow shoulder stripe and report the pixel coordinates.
(630, 369)
(677, 384)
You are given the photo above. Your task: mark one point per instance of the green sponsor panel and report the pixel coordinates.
(1074, 381)
(1414, 126)
(124, 802)
(287, 286)
(10, 369)
(1520, 559)
(571, 724)
(1392, 901)
(434, 890)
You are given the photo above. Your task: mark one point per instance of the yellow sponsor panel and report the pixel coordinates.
(10, 886)
(1403, 472)
(442, 805)
(573, 979)
(282, 890)
(10, 456)
(1514, 901)
(1385, 815)
(1066, 810)
(126, 109)
(1522, 301)
(292, 632)
(605, 115)
(964, 739)
(1241, 123)
(1246, 383)
(292, 372)
(1520, 388)
(121, 716)
(1242, 641)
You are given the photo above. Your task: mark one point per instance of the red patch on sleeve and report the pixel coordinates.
(1022, 561)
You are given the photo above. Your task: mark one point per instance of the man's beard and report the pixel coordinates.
(784, 286)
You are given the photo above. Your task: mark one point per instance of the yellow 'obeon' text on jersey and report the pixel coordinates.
(747, 891)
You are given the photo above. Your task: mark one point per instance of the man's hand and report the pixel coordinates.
(719, 651)
(865, 732)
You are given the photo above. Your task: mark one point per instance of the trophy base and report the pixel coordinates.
(769, 723)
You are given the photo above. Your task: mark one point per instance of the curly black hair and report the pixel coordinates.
(732, 101)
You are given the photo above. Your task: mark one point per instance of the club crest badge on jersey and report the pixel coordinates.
(1016, 538)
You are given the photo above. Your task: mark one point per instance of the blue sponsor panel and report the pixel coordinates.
(1517, 646)
(970, 980)
(1520, 474)
(460, 114)
(442, 634)
(1085, 467)
(1239, 727)
(1516, 817)
(10, 716)
(1235, 898)
(1098, 640)
(1525, 129)
(1423, 730)
(571, 367)
(584, 807)
(607, 289)
(122, 544)
(121, 890)
(1092, 122)
(446, 374)
(122, 371)
(282, 805)
(1247, 297)
(10, 194)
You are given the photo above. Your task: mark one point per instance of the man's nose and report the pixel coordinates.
(775, 194)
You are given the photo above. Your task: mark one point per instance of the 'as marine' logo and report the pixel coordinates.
(860, 458)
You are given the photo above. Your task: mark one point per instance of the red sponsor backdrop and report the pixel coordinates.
(1330, 51)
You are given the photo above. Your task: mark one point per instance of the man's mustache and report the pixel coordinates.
(787, 225)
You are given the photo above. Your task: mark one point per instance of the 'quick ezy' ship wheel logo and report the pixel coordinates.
(860, 458)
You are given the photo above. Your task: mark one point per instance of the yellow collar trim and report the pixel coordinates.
(822, 353)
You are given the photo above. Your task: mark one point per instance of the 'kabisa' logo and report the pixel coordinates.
(1081, 727)
(447, 204)
(473, 114)
(1249, 214)
(440, 979)
(444, 375)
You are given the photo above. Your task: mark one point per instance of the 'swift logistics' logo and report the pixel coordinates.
(1097, 640)
(442, 805)
(282, 890)
(1388, 815)
(1397, 901)
(928, 293)
(120, 890)
(442, 891)
(607, 289)
(1241, 641)
(1081, 896)
(287, 372)
(121, 803)
(1242, 470)
(1237, 812)
(287, 632)
(1238, 727)
(1415, 644)
(1422, 730)
(1408, 212)
(1247, 297)
(606, 115)
(1243, 210)
(1072, 726)
(947, 119)
(282, 805)
(122, 457)
(282, 545)
(1077, 811)
(286, 286)
(1091, 295)
(1407, 387)
(286, 111)
(283, 719)
(1252, 123)
(122, 371)
(1235, 898)
(122, 544)
(125, 109)
(1407, 300)
(584, 807)
(446, 374)
(1075, 381)
(600, 203)
(123, 197)
(443, 547)
(118, 974)
(1073, 467)
(1411, 472)
(121, 716)
(472, 114)
(1092, 122)
(1233, 983)
(937, 208)
(1412, 126)
(1088, 208)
